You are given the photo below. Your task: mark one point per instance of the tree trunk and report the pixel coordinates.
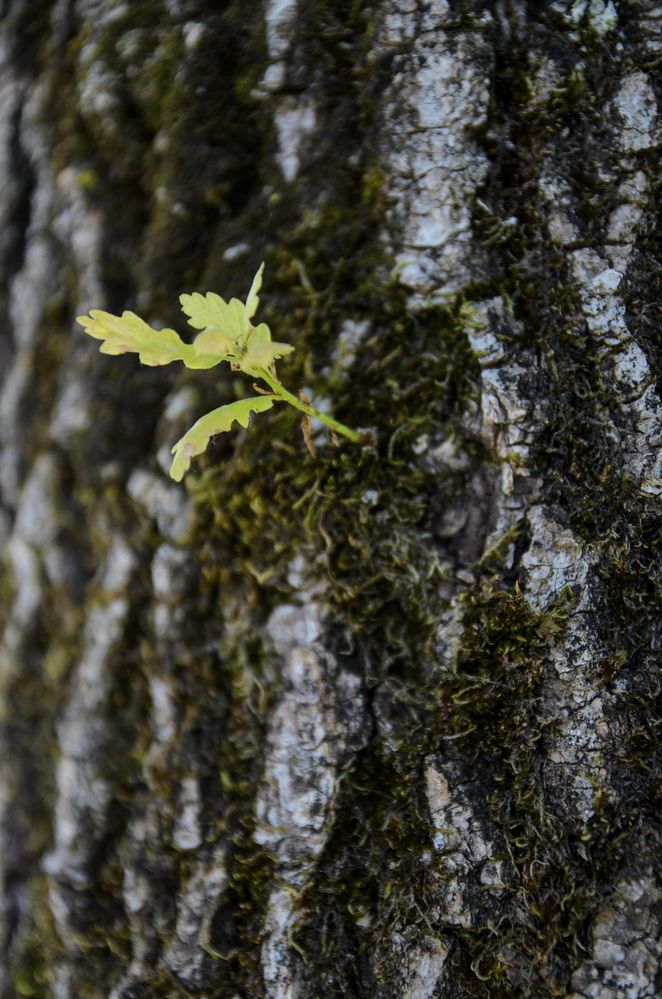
(382, 723)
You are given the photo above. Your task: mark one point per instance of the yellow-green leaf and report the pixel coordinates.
(196, 439)
(212, 310)
(204, 310)
(261, 351)
(128, 333)
(253, 299)
(263, 356)
(202, 362)
(213, 341)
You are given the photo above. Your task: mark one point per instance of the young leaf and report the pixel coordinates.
(128, 333)
(202, 362)
(196, 439)
(253, 300)
(211, 310)
(261, 351)
(263, 356)
(203, 310)
(213, 341)
(226, 334)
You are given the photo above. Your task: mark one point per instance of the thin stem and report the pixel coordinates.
(303, 407)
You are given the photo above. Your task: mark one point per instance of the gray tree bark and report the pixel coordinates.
(381, 724)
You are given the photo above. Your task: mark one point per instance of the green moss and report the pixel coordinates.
(378, 878)
(233, 937)
(372, 880)
(26, 30)
(31, 964)
(366, 511)
(383, 571)
(362, 517)
(557, 870)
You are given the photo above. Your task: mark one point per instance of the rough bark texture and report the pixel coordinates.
(383, 724)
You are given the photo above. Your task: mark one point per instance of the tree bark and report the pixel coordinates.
(381, 723)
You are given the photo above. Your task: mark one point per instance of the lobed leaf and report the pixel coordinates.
(203, 310)
(196, 439)
(211, 310)
(213, 341)
(262, 351)
(129, 333)
(227, 333)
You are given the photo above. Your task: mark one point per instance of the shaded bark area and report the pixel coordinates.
(385, 723)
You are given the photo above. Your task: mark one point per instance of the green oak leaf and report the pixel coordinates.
(211, 310)
(225, 333)
(196, 439)
(201, 362)
(226, 326)
(216, 341)
(204, 310)
(129, 333)
(262, 351)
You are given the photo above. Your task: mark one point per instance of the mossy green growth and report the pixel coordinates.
(29, 965)
(377, 881)
(372, 886)
(364, 516)
(364, 527)
(552, 866)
